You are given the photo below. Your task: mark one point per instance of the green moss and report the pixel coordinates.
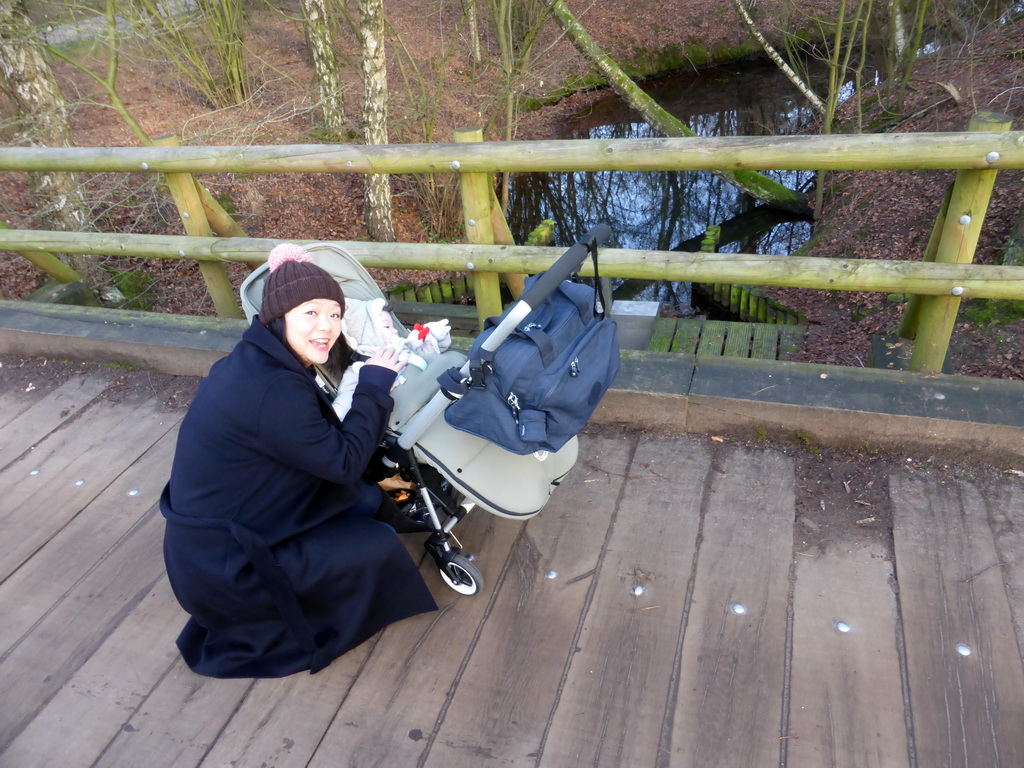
(135, 286)
(643, 63)
(227, 203)
(321, 135)
(989, 312)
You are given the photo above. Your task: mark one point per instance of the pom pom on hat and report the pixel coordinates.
(293, 280)
(287, 252)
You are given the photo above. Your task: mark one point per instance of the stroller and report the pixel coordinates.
(451, 472)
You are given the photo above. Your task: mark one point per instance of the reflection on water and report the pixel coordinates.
(672, 210)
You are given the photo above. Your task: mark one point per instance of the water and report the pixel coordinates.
(672, 210)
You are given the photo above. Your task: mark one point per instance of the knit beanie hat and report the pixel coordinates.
(293, 280)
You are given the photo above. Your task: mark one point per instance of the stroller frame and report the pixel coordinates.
(439, 496)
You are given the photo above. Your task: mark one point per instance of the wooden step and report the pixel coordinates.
(764, 341)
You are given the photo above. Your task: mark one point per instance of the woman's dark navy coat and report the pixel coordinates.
(269, 545)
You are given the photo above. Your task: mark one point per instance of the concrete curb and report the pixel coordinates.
(856, 407)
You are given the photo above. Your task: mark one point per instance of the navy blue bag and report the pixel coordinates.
(541, 385)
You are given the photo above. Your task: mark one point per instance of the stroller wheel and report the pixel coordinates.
(460, 574)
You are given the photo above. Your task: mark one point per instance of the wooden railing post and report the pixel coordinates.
(503, 236)
(193, 216)
(911, 320)
(968, 202)
(476, 213)
(48, 263)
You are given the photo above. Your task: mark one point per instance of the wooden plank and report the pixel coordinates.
(74, 466)
(503, 699)
(395, 703)
(661, 336)
(611, 710)
(765, 345)
(687, 336)
(46, 579)
(91, 708)
(1007, 521)
(846, 696)
(790, 339)
(732, 666)
(712, 338)
(42, 418)
(15, 400)
(181, 718)
(40, 662)
(737, 340)
(280, 722)
(967, 710)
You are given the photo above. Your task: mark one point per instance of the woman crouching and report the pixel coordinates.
(271, 544)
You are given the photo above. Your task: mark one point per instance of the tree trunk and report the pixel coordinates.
(325, 65)
(474, 34)
(803, 87)
(897, 29)
(26, 78)
(752, 183)
(375, 115)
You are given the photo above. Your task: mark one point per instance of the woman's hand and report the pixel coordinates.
(386, 357)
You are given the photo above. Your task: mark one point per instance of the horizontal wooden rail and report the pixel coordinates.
(928, 278)
(965, 150)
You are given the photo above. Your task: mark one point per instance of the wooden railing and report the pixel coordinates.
(939, 282)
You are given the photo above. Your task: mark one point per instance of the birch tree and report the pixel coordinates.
(27, 80)
(377, 207)
(805, 89)
(319, 38)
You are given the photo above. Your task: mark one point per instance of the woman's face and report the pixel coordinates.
(312, 328)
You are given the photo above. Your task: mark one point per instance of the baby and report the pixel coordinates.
(368, 326)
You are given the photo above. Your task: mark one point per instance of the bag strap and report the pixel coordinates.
(543, 342)
(599, 308)
(452, 385)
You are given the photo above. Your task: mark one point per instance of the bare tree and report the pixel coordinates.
(801, 85)
(377, 208)
(319, 37)
(27, 80)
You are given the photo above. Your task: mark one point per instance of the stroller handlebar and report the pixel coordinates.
(568, 264)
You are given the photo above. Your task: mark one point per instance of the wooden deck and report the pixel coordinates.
(681, 602)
